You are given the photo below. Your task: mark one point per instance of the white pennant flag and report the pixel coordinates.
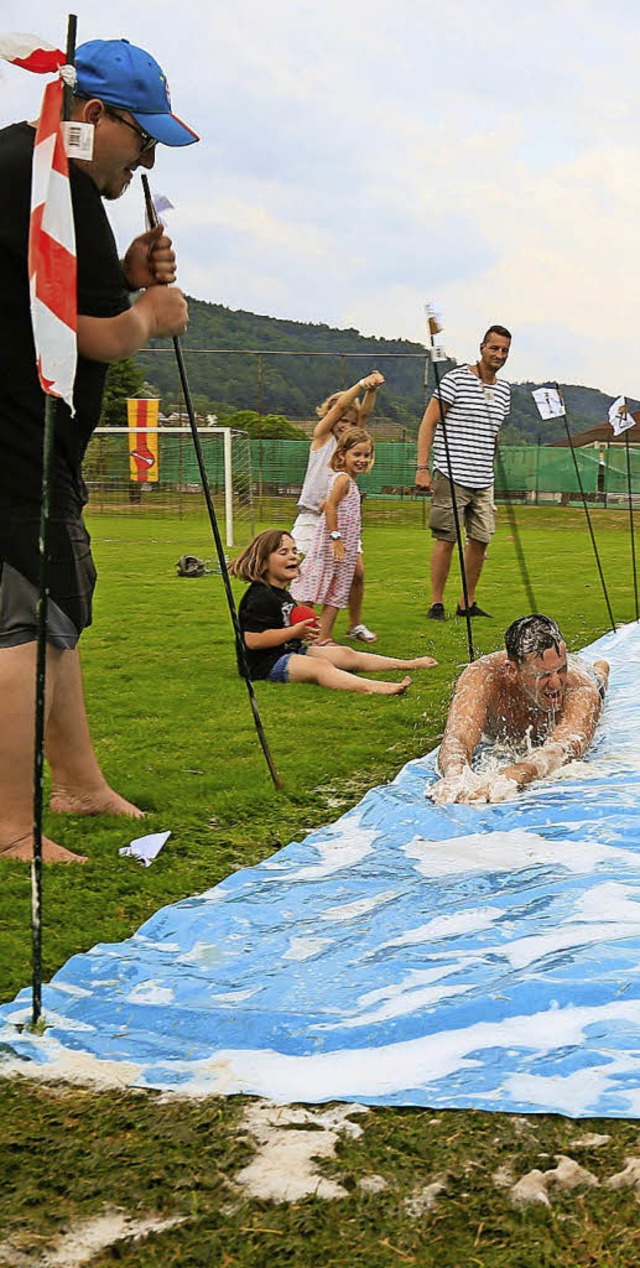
(619, 417)
(549, 402)
(434, 331)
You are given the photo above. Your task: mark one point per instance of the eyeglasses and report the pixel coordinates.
(147, 143)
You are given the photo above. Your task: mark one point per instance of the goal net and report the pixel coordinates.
(177, 489)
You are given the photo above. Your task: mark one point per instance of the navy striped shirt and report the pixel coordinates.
(476, 413)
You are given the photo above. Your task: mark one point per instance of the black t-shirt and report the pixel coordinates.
(264, 607)
(102, 292)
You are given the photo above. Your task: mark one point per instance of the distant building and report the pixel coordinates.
(601, 435)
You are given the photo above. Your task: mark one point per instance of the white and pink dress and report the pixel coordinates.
(322, 579)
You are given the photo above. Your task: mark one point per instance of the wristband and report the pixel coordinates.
(363, 385)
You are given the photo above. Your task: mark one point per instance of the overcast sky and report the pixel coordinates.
(358, 159)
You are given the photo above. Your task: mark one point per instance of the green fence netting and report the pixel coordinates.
(271, 468)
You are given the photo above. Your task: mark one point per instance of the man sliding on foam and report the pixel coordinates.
(534, 693)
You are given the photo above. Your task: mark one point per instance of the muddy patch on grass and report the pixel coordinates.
(85, 1240)
(424, 1199)
(290, 1142)
(538, 1186)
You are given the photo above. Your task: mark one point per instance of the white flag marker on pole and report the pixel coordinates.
(549, 402)
(619, 417)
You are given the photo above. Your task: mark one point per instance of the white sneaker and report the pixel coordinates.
(362, 634)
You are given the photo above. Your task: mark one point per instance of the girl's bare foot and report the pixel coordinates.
(390, 688)
(423, 662)
(101, 801)
(22, 849)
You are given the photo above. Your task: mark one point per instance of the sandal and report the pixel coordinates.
(362, 634)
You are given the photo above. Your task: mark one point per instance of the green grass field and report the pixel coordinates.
(173, 731)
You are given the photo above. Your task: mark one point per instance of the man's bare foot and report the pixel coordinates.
(101, 801)
(602, 666)
(423, 662)
(390, 688)
(22, 849)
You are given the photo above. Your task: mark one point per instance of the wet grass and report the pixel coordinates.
(173, 730)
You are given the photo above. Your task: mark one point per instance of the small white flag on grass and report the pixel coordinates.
(549, 402)
(145, 849)
(619, 417)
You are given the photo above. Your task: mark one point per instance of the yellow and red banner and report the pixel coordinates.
(143, 443)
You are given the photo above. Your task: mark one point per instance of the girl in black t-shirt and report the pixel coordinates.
(284, 652)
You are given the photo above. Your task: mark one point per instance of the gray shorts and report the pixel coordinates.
(476, 511)
(72, 578)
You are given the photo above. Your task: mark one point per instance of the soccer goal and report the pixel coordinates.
(171, 485)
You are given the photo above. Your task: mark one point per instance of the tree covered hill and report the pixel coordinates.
(238, 360)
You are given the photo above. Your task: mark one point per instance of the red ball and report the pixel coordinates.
(302, 613)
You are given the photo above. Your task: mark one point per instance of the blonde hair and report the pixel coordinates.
(355, 436)
(252, 563)
(323, 409)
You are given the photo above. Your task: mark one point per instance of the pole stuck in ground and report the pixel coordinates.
(631, 525)
(515, 533)
(586, 510)
(621, 420)
(436, 354)
(42, 609)
(213, 521)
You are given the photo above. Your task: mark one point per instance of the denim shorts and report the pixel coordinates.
(280, 671)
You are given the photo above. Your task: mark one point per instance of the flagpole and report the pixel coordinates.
(42, 609)
(424, 492)
(586, 511)
(454, 502)
(40, 714)
(631, 525)
(524, 574)
(240, 647)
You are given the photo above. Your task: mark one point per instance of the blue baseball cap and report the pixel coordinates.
(120, 74)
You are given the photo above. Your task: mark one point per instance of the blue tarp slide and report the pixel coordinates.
(408, 954)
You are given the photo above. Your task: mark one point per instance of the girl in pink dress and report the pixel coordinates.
(327, 570)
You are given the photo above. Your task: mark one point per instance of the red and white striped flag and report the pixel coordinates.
(52, 242)
(31, 53)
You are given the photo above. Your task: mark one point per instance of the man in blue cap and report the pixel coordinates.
(122, 93)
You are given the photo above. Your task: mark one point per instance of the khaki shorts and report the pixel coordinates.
(476, 510)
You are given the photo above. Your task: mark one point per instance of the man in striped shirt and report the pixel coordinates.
(476, 403)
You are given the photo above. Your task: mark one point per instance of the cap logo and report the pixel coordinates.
(163, 80)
